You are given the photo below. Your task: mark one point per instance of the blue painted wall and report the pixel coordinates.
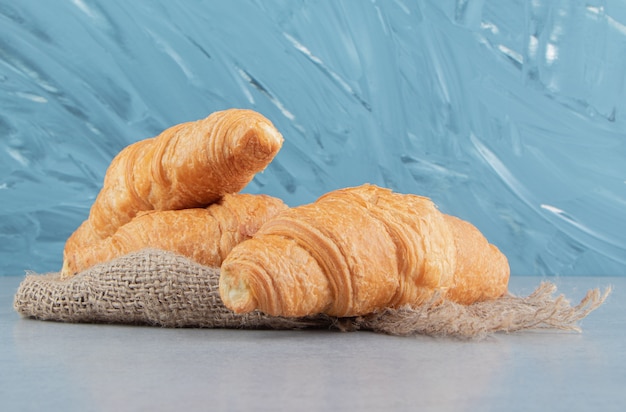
(510, 114)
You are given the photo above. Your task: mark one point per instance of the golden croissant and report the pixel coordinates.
(205, 235)
(189, 165)
(358, 250)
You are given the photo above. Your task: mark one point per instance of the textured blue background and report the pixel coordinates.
(509, 114)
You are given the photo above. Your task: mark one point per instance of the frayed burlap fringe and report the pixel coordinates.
(154, 287)
(540, 310)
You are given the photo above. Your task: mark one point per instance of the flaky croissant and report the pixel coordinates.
(358, 250)
(189, 165)
(205, 235)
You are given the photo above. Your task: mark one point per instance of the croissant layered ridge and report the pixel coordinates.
(358, 250)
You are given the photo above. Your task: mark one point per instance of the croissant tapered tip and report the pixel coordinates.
(255, 139)
(66, 270)
(236, 293)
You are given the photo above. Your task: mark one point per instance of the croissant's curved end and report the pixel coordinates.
(67, 271)
(272, 136)
(254, 138)
(482, 270)
(236, 292)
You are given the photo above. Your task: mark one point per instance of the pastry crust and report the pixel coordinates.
(204, 235)
(356, 251)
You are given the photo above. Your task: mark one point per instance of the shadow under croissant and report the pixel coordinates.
(155, 287)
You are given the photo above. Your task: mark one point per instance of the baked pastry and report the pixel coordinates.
(204, 235)
(189, 165)
(358, 250)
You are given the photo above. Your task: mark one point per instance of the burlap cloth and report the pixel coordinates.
(154, 287)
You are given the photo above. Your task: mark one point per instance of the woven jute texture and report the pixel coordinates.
(154, 287)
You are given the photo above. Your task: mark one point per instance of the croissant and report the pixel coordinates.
(358, 250)
(205, 235)
(188, 165)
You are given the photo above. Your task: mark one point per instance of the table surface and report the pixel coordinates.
(56, 366)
